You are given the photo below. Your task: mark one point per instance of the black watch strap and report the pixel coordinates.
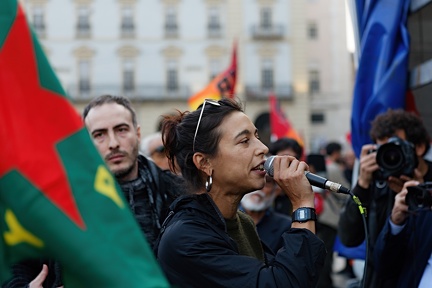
(304, 214)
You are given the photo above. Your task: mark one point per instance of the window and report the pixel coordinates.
(214, 26)
(267, 75)
(172, 76)
(171, 27)
(266, 18)
(38, 20)
(317, 118)
(84, 77)
(419, 24)
(314, 82)
(312, 30)
(127, 22)
(83, 26)
(128, 77)
(214, 68)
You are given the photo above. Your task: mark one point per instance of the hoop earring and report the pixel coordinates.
(208, 183)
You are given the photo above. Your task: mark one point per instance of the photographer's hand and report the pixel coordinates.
(400, 208)
(367, 165)
(396, 184)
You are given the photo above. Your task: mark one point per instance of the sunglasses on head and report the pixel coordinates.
(209, 101)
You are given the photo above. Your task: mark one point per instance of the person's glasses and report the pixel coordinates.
(158, 149)
(209, 101)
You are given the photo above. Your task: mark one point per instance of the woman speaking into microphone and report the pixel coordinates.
(206, 241)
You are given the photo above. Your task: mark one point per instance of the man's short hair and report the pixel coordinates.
(386, 125)
(105, 99)
(286, 143)
(333, 147)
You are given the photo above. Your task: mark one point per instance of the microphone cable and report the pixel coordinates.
(364, 215)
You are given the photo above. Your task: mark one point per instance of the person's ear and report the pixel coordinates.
(138, 132)
(202, 163)
(420, 149)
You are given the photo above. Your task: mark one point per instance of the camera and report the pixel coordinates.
(396, 157)
(419, 197)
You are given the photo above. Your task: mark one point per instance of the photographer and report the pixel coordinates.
(376, 187)
(404, 246)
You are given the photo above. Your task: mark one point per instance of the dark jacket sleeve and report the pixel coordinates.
(23, 273)
(172, 184)
(390, 251)
(351, 228)
(171, 187)
(26, 271)
(211, 261)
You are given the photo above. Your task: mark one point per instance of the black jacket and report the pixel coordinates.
(271, 227)
(378, 203)
(407, 253)
(150, 195)
(27, 270)
(195, 251)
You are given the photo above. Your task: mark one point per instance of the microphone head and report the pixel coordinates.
(268, 165)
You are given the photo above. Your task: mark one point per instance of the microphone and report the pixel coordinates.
(313, 179)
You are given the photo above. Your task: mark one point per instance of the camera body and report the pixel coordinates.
(419, 197)
(396, 157)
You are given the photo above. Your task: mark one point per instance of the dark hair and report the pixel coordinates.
(286, 143)
(178, 137)
(104, 99)
(385, 125)
(333, 147)
(317, 161)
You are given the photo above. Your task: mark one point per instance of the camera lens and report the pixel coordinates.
(391, 158)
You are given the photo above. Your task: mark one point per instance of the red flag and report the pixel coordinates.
(279, 124)
(222, 85)
(410, 102)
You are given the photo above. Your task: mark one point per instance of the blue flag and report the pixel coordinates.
(382, 75)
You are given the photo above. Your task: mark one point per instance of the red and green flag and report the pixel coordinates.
(223, 85)
(279, 125)
(57, 198)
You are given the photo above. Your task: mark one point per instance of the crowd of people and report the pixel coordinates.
(214, 217)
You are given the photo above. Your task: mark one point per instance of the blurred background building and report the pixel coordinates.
(420, 59)
(160, 52)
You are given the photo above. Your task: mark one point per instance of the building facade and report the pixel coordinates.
(420, 58)
(330, 72)
(160, 52)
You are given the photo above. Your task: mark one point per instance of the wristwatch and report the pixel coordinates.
(304, 214)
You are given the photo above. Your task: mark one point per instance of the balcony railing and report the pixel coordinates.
(83, 29)
(256, 92)
(127, 29)
(268, 32)
(171, 30)
(214, 30)
(141, 92)
(40, 30)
